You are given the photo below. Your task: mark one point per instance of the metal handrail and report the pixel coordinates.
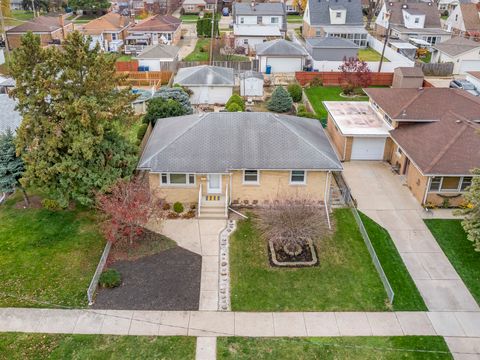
(199, 200)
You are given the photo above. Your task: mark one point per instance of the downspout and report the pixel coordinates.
(230, 191)
(426, 190)
(344, 147)
(327, 198)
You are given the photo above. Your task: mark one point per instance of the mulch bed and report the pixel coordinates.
(169, 280)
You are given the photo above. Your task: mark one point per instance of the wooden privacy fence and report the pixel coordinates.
(235, 65)
(147, 78)
(131, 65)
(441, 69)
(332, 78)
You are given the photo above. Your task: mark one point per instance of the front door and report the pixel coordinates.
(214, 183)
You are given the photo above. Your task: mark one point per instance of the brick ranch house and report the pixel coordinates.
(429, 135)
(215, 159)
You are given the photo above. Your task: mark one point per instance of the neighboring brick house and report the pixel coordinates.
(411, 19)
(429, 135)
(109, 30)
(51, 29)
(240, 158)
(464, 20)
(158, 29)
(341, 18)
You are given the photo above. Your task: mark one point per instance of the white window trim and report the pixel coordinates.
(169, 184)
(298, 183)
(251, 182)
(398, 151)
(441, 191)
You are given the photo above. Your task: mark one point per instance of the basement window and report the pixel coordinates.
(298, 177)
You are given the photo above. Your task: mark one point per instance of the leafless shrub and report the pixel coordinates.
(290, 223)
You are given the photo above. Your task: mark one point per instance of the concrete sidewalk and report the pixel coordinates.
(381, 195)
(261, 324)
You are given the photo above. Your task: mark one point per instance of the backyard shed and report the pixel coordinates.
(209, 84)
(407, 77)
(251, 84)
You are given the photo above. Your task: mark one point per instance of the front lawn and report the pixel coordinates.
(201, 51)
(345, 279)
(294, 19)
(18, 17)
(407, 297)
(49, 346)
(189, 18)
(368, 54)
(331, 93)
(338, 348)
(47, 258)
(453, 240)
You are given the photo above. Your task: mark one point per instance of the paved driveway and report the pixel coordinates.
(383, 197)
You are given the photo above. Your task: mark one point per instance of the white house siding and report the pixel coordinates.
(251, 41)
(281, 64)
(469, 61)
(153, 64)
(266, 20)
(251, 87)
(210, 94)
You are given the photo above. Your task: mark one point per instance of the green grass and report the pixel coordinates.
(344, 280)
(125, 57)
(453, 240)
(331, 93)
(369, 54)
(338, 348)
(48, 256)
(58, 347)
(294, 19)
(407, 296)
(201, 51)
(18, 17)
(427, 58)
(189, 18)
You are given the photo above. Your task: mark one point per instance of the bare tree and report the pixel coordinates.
(290, 223)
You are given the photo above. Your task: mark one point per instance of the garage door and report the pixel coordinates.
(469, 65)
(280, 64)
(365, 148)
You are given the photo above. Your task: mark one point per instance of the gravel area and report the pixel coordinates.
(169, 280)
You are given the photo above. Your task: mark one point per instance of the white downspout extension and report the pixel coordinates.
(327, 198)
(426, 190)
(344, 147)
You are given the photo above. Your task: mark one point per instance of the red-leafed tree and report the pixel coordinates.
(355, 74)
(128, 206)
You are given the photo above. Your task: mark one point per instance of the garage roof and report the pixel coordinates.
(220, 142)
(357, 118)
(280, 47)
(205, 75)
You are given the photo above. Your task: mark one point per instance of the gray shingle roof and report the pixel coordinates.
(259, 9)
(9, 117)
(331, 42)
(319, 11)
(456, 46)
(280, 47)
(219, 142)
(205, 75)
(251, 74)
(159, 52)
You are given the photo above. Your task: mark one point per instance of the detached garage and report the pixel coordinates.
(356, 131)
(209, 84)
(280, 56)
(463, 53)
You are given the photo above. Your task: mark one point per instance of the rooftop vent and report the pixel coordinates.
(404, 6)
(429, 4)
(458, 121)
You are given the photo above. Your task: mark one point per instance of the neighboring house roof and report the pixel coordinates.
(157, 23)
(205, 75)
(409, 71)
(259, 9)
(450, 146)
(45, 24)
(471, 18)
(159, 52)
(331, 42)
(255, 30)
(193, 2)
(319, 12)
(429, 9)
(280, 47)
(456, 46)
(475, 74)
(9, 117)
(219, 142)
(251, 74)
(111, 22)
(425, 104)
(7, 81)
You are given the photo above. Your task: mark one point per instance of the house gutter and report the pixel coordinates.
(426, 190)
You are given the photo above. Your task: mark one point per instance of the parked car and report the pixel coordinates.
(465, 85)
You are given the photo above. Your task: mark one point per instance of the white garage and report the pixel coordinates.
(368, 148)
(209, 84)
(281, 56)
(469, 65)
(153, 56)
(462, 52)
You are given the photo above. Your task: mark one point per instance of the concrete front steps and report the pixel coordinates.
(213, 209)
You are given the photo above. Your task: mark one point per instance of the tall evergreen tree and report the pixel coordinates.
(281, 101)
(11, 166)
(71, 108)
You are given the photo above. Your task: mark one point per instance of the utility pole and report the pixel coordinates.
(387, 15)
(214, 15)
(33, 8)
(2, 24)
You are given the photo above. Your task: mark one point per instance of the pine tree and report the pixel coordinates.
(471, 221)
(11, 166)
(72, 109)
(281, 100)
